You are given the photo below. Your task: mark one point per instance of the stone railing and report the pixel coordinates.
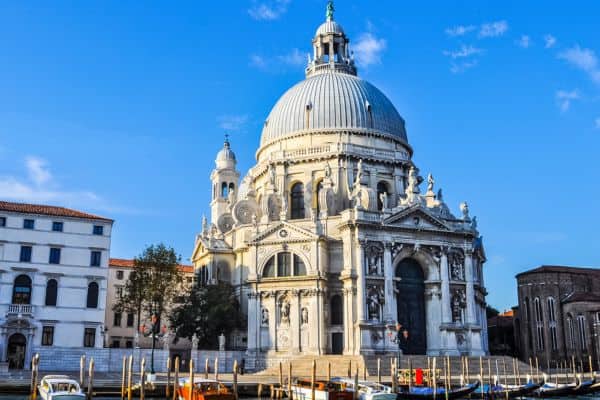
(340, 148)
(20, 309)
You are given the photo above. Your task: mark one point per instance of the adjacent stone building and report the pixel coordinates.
(123, 329)
(558, 315)
(329, 238)
(53, 275)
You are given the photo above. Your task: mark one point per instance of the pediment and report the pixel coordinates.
(416, 218)
(284, 232)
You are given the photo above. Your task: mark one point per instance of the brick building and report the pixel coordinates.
(558, 314)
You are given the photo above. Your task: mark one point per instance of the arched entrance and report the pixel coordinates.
(15, 352)
(411, 304)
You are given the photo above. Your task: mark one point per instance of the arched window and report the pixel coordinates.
(224, 189)
(336, 310)
(22, 290)
(581, 331)
(297, 201)
(382, 188)
(92, 295)
(571, 332)
(231, 187)
(552, 323)
(539, 319)
(284, 264)
(51, 292)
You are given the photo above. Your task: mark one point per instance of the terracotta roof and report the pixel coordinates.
(507, 313)
(128, 263)
(48, 210)
(561, 268)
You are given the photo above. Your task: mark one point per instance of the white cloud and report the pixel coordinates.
(549, 41)
(37, 170)
(269, 11)
(457, 68)
(232, 122)
(294, 57)
(597, 123)
(258, 61)
(459, 30)
(584, 59)
(463, 52)
(524, 41)
(564, 99)
(368, 49)
(493, 29)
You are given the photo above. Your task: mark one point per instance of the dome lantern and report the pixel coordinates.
(330, 48)
(225, 157)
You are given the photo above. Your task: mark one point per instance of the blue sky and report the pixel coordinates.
(119, 107)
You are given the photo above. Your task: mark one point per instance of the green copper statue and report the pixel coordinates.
(330, 10)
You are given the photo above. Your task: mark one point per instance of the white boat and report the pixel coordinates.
(60, 387)
(368, 390)
(323, 390)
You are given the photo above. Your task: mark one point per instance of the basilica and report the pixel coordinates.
(334, 236)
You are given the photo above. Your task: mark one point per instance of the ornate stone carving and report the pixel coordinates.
(374, 259)
(375, 301)
(396, 249)
(457, 268)
(264, 317)
(304, 315)
(225, 222)
(412, 191)
(464, 208)
(459, 302)
(244, 210)
(284, 310)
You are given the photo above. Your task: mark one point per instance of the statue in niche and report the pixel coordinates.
(457, 268)
(458, 305)
(221, 342)
(375, 300)
(272, 176)
(373, 258)
(285, 312)
(383, 197)
(195, 342)
(304, 315)
(265, 316)
(327, 171)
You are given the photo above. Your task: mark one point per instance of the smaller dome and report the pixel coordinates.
(329, 27)
(226, 156)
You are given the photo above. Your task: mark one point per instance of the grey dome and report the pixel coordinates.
(328, 27)
(335, 101)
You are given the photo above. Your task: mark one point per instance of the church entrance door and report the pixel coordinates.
(16, 351)
(337, 343)
(411, 305)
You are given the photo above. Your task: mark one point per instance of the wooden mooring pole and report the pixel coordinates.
(313, 378)
(206, 369)
(235, 379)
(123, 377)
(143, 379)
(129, 377)
(35, 362)
(176, 380)
(289, 382)
(82, 366)
(379, 370)
(90, 391)
(191, 389)
(168, 387)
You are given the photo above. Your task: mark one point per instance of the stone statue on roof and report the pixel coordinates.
(330, 10)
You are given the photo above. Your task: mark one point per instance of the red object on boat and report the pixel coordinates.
(419, 376)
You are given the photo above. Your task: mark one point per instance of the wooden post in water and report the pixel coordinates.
(504, 373)
(490, 374)
(530, 368)
(129, 377)
(349, 369)
(191, 389)
(82, 371)
(467, 369)
(90, 391)
(235, 379)
(409, 374)
(280, 375)
(168, 387)
(481, 382)
(379, 370)
(448, 373)
(364, 372)
(434, 378)
(176, 380)
(355, 393)
(216, 369)
(328, 371)
(206, 369)
(446, 384)
(394, 375)
(313, 378)
(123, 375)
(143, 379)
(259, 390)
(591, 367)
(537, 369)
(35, 362)
(289, 384)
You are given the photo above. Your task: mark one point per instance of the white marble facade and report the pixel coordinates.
(329, 238)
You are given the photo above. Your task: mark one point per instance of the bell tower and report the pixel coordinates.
(224, 178)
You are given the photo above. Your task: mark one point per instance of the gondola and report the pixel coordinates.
(584, 387)
(499, 391)
(428, 393)
(550, 389)
(595, 387)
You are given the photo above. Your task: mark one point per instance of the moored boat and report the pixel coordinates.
(367, 390)
(60, 387)
(550, 389)
(324, 390)
(203, 389)
(499, 391)
(428, 393)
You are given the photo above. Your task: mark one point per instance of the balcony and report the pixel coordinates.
(20, 310)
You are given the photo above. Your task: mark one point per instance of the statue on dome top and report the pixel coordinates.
(330, 10)
(430, 183)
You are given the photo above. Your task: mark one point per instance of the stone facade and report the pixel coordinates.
(53, 276)
(329, 239)
(558, 315)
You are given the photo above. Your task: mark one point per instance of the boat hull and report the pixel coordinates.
(440, 394)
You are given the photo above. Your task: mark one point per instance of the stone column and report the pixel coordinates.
(446, 306)
(360, 282)
(273, 321)
(390, 312)
(320, 317)
(470, 293)
(348, 321)
(253, 323)
(295, 323)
